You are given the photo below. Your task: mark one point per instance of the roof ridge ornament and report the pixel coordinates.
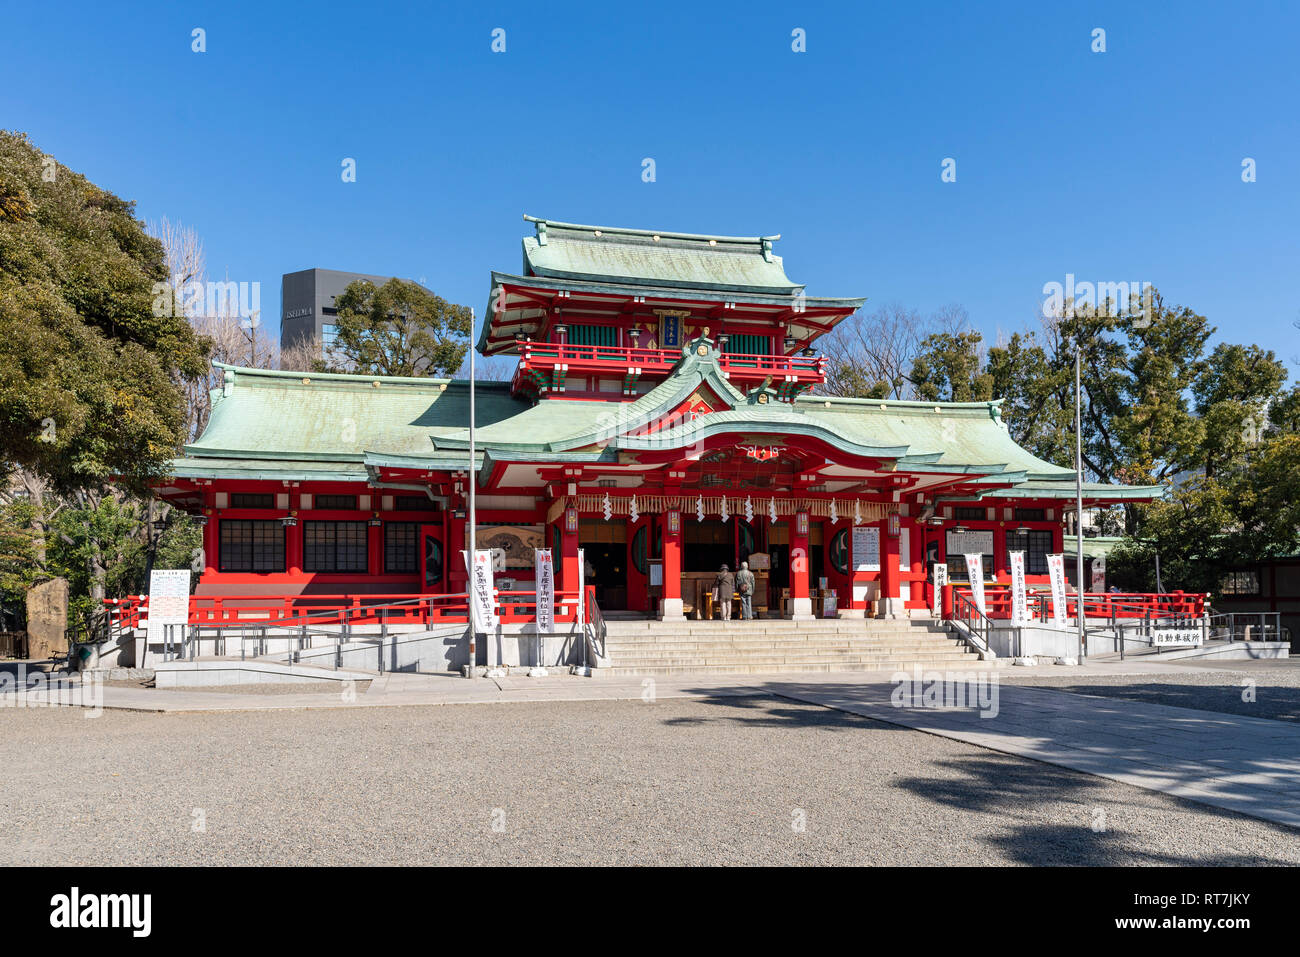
(702, 347)
(762, 394)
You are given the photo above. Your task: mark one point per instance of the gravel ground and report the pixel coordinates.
(680, 781)
(1211, 687)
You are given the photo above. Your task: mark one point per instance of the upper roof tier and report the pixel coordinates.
(650, 258)
(605, 275)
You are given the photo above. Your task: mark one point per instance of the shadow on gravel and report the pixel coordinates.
(1277, 702)
(996, 786)
(772, 711)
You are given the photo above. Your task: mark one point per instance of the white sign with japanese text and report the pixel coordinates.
(1056, 569)
(482, 602)
(975, 572)
(545, 591)
(1019, 600)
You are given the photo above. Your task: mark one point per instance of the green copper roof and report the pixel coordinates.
(965, 435)
(296, 426)
(1091, 491)
(312, 416)
(278, 470)
(642, 256)
(565, 424)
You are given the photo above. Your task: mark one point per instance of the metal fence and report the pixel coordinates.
(1247, 626)
(13, 644)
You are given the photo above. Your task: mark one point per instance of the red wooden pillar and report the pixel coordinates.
(375, 549)
(210, 544)
(567, 566)
(457, 577)
(800, 607)
(1001, 560)
(670, 606)
(891, 602)
(293, 549)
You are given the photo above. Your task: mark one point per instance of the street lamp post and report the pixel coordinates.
(471, 478)
(1078, 503)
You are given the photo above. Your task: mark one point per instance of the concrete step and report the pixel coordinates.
(660, 655)
(782, 646)
(712, 657)
(745, 637)
(850, 625)
(803, 667)
(761, 641)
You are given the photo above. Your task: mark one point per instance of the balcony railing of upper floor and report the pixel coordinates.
(539, 361)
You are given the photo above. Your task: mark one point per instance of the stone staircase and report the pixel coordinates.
(766, 645)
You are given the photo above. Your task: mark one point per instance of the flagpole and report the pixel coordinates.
(1078, 504)
(473, 517)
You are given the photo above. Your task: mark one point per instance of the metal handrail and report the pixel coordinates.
(978, 625)
(1230, 629)
(595, 630)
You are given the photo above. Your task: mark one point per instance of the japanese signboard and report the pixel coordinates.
(1056, 569)
(169, 599)
(1019, 600)
(482, 602)
(545, 591)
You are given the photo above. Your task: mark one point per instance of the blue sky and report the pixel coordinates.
(1123, 165)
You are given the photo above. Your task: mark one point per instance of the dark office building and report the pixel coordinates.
(307, 302)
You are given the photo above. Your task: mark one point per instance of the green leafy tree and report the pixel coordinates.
(1037, 392)
(398, 329)
(90, 376)
(950, 368)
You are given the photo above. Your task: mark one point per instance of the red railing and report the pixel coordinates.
(513, 607)
(738, 365)
(1109, 605)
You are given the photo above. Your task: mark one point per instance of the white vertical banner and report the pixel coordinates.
(482, 603)
(545, 592)
(975, 572)
(582, 587)
(940, 579)
(1019, 599)
(1056, 568)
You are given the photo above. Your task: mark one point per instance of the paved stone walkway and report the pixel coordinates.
(1249, 765)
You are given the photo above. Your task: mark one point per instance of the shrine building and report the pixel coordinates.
(664, 418)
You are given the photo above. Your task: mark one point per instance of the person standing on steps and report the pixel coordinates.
(724, 586)
(745, 585)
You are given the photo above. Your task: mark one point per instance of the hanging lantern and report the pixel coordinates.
(631, 509)
(725, 515)
(749, 509)
(699, 507)
(606, 507)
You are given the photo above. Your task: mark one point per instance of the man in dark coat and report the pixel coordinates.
(725, 587)
(745, 585)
